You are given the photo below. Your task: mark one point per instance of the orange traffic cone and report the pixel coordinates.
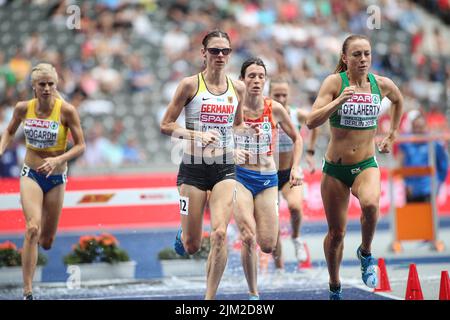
(444, 292)
(413, 289)
(383, 283)
(305, 264)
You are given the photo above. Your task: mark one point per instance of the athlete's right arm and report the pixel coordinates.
(18, 115)
(185, 92)
(324, 106)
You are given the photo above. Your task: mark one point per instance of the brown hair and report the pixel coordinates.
(341, 66)
(253, 60)
(276, 80)
(214, 34)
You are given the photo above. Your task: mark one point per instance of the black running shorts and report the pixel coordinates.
(205, 173)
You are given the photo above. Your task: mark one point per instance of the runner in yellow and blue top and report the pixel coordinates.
(256, 212)
(351, 98)
(46, 121)
(212, 105)
(279, 91)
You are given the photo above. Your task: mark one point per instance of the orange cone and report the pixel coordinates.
(383, 283)
(413, 288)
(305, 264)
(444, 292)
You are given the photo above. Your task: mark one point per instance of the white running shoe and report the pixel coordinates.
(300, 250)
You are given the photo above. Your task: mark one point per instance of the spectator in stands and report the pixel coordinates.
(20, 65)
(139, 78)
(416, 154)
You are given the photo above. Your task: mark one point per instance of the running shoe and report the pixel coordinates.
(300, 250)
(28, 296)
(368, 269)
(178, 245)
(336, 295)
(253, 297)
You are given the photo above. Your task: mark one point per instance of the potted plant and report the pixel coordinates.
(99, 258)
(11, 264)
(173, 264)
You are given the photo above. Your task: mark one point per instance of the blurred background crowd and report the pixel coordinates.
(122, 66)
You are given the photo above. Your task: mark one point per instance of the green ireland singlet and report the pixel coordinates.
(361, 111)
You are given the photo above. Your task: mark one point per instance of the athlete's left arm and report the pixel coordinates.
(392, 92)
(70, 119)
(282, 117)
(73, 123)
(239, 116)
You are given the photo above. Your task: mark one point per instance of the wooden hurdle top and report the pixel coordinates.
(417, 138)
(412, 171)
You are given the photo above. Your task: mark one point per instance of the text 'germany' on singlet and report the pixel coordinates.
(207, 111)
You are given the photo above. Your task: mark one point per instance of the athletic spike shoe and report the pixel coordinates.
(253, 297)
(368, 269)
(178, 244)
(300, 250)
(28, 296)
(336, 295)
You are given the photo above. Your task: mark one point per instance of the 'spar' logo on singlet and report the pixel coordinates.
(218, 117)
(361, 110)
(40, 133)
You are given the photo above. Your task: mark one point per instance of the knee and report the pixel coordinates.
(218, 237)
(336, 235)
(267, 246)
(32, 233)
(369, 207)
(295, 210)
(248, 239)
(46, 243)
(192, 245)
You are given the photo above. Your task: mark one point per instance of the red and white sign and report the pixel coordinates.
(152, 201)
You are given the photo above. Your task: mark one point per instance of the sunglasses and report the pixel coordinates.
(216, 51)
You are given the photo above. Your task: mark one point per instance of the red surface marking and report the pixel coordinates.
(104, 182)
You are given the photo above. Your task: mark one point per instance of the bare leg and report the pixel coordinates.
(192, 222)
(31, 197)
(335, 197)
(53, 202)
(367, 189)
(277, 254)
(294, 198)
(245, 221)
(221, 205)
